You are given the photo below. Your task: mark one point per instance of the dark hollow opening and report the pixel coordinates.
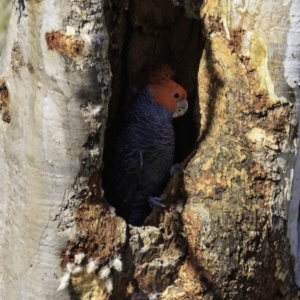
(145, 35)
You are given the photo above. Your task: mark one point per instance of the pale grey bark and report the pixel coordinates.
(292, 75)
(41, 147)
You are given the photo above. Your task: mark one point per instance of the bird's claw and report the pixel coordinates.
(155, 201)
(177, 168)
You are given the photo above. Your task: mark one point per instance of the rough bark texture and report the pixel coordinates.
(240, 179)
(54, 90)
(230, 230)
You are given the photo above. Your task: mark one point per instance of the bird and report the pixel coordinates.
(144, 152)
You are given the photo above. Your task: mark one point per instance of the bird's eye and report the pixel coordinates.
(176, 95)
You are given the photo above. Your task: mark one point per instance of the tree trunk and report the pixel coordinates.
(55, 86)
(231, 227)
(239, 189)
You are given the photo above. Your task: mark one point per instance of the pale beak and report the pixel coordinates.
(181, 108)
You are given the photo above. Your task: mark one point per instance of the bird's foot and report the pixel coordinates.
(155, 201)
(177, 168)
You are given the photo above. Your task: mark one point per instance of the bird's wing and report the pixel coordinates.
(128, 163)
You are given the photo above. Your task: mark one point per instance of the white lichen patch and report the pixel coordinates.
(154, 296)
(95, 152)
(179, 207)
(70, 267)
(109, 285)
(78, 258)
(90, 112)
(104, 272)
(116, 263)
(77, 270)
(96, 110)
(64, 282)
(91, 266)
(111, 209)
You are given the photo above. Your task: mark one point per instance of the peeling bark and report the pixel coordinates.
(4, 102)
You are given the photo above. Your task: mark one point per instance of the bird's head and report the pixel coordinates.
(167, 92)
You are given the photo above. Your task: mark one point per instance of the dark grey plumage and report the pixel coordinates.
(143, 158)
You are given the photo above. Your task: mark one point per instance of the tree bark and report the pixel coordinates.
(55, 86)
(231, 227)
(239, 189)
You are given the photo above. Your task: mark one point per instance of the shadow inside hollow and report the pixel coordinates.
(144, 36)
